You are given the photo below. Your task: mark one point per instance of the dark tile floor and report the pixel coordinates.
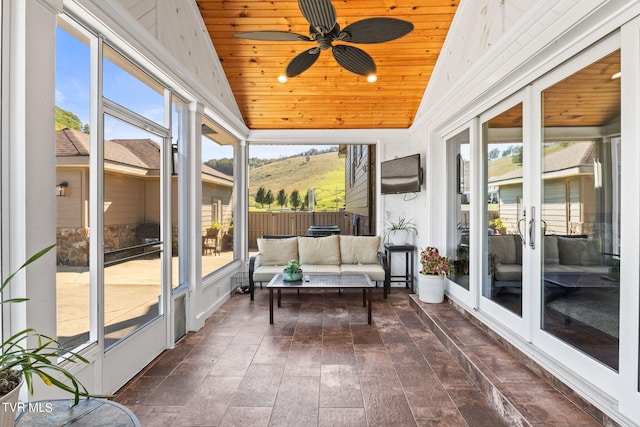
(320, 364)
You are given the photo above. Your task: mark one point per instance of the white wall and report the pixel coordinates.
(178, 26)
(477, 26)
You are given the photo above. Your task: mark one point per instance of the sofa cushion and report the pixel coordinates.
(359, 249)
(577, 251)
(320, 269)
(551, 255)
(374, 271)
(277, 251)
(504, 248)
(319, 250)
(265, 273)
(559, 268)
(512, 272)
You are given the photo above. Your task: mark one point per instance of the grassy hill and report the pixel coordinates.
(324, 172)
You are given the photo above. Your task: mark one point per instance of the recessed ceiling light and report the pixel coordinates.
(616, 76)
(282, 79)
(372, 78)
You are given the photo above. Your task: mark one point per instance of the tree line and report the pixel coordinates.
(266, 197)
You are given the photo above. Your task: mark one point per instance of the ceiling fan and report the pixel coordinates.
(324, 30)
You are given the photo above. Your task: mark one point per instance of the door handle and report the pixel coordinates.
(532, 230)
(519, 227)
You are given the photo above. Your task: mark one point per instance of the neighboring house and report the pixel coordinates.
(131, 193)
(360, 186)
(569, 203)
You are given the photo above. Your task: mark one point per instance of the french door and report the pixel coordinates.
(506, 214)
(550, 231)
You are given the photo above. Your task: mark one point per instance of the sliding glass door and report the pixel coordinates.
(580, 209)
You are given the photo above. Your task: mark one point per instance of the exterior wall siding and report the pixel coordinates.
(359, 197)
(123, 200)
(71, 208)
(554, 208)
(211, 194)
(508, 212)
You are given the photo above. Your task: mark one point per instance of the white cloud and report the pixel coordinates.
(59, 97)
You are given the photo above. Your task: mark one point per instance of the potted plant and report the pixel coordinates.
(400, 232)
(499, 226)
(292, 271)
(434, 268)
(214, 229)
(20, 363)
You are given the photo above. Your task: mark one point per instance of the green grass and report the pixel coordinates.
(501, 166)
(324, 172)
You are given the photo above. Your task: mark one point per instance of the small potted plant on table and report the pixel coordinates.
(400, 232)
(292, 272)
(434, 268)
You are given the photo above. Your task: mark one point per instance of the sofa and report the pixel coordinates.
(335, 254)
(562, 254)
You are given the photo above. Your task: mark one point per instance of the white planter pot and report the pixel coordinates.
(430, 288)
(9, 406)
(399, 237)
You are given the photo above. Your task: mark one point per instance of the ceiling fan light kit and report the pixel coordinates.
(324, 31)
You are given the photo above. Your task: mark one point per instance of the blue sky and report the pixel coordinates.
(72, 94)
(277, 151)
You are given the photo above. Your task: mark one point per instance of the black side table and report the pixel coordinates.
(408, 277)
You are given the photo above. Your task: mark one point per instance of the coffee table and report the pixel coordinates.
(323, 281)
(581, 280)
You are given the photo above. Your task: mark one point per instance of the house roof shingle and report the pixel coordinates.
(138, 153)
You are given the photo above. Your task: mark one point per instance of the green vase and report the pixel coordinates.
(292, 276)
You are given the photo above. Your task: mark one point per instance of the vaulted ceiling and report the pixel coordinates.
(326, 96)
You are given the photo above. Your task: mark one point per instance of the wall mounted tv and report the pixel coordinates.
(401, 175)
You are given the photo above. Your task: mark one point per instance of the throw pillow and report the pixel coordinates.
(551, 249)
(359, 249)
(504, 248)
(277, 251)
(319, 250)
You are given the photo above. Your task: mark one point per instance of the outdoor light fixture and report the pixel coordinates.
(174, 159)
(61, 188)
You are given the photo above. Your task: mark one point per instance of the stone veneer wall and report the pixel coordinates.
(72, 246)
(73, 243)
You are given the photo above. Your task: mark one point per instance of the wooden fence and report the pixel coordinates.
(294, 223)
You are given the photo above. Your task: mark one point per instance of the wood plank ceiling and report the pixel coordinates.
(588, 98)
(326, 96)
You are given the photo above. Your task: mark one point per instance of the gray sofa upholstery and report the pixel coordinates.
(334, 254)
(562, 254)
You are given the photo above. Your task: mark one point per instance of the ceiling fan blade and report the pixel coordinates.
(355, 60)
(320, 13)
(302, 62)
(272, 35)
(376, 30)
